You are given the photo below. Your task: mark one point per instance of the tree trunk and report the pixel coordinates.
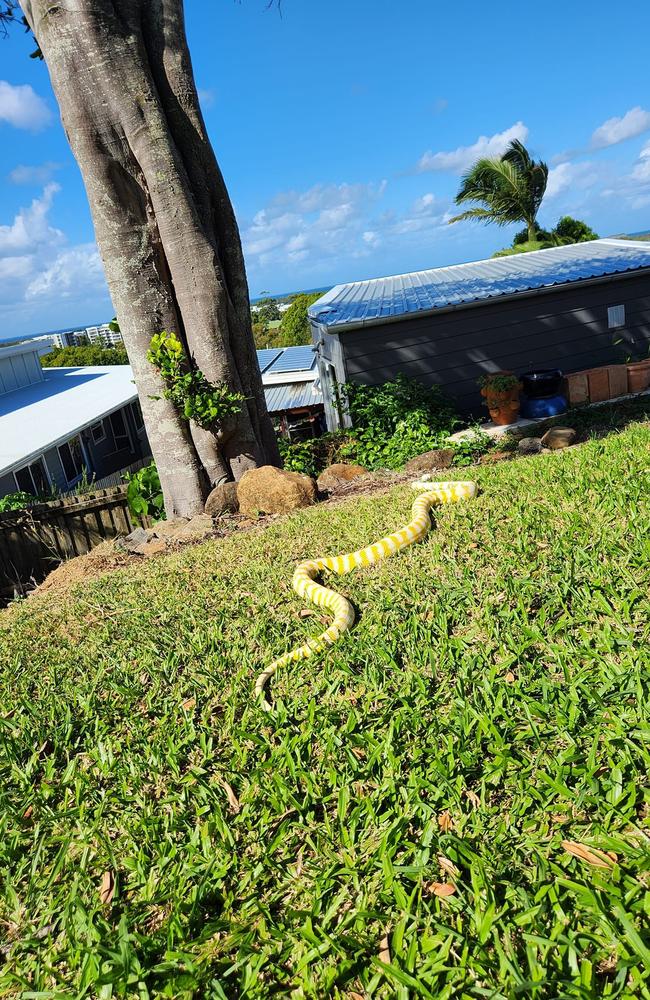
(532, 231)
(165, 226)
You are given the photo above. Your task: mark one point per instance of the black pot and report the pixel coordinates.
(538, 385)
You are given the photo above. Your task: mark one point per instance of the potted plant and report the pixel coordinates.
(501, 391)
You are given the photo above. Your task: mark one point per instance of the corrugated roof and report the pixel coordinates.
(292, 396)
(382, 299)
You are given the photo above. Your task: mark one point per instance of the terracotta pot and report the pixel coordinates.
(638, 376)
(504, 413)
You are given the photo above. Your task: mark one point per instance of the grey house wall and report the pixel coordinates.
(104, 457)
(565, 328)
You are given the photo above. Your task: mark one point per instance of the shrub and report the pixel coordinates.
(195, 398)
(311, 457)
(395, 421)
(17, 501)
(144, 494)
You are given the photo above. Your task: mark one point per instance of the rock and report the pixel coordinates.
(439, 458)
(222, 500)
(338, 473)
(468, 434)
(529, 446)
(559, 437)
(167, 529)
(198, 527)
(268, 490)
(491, 457)
(135, 540)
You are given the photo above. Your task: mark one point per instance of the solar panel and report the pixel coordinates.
(293, 359)
(267, 356)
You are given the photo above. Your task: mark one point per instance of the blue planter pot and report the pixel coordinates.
(548, 406)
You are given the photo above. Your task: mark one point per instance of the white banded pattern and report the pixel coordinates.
(304, 582)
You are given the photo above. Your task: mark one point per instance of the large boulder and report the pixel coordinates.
(429, 461)
(268, 490)
(222, 500)
(559, 437)
(195, 530)
(339, 473)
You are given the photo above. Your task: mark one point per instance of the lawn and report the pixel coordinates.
(396, 828)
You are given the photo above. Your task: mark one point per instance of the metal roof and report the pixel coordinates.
(292, 396)
(47, 413)
(380, 300)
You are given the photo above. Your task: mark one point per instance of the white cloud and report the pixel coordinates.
(570, 175)
(37, 175)
(615, 130)
(462, 158)
(323, 221)
(21, 107)
(79, 266)
(641, 170)
(31, 227)
(15, 267)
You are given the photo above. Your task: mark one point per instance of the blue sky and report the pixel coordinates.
(342, 128)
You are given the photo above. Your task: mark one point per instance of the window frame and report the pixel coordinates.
(97, 440)
(137, 414)
(28, 468)
(84, 460)
(127, 431)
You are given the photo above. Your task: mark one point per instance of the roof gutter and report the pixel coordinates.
(473, 303)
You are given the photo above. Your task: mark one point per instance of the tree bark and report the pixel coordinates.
(165, 227)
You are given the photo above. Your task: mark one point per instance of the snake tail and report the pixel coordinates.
(305, 583)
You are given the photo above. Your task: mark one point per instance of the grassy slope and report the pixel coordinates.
(498, 674)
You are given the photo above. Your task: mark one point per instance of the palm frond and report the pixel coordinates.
(483, 214)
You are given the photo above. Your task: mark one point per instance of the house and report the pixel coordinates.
(292, 390)
(56, 422)
(102, 335)
(569, 307)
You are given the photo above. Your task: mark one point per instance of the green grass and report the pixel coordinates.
(498, 674)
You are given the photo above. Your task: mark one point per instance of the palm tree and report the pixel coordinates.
(510, 188)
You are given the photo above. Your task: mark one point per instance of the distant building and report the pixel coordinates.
(56, 422)
(102, 336)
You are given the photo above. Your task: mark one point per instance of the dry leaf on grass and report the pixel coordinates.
(384, 950)
(510, 677)
(233, 801)
(28, 812)
(188, 704)
(355, 996)
(473, 797)
(592, 855)
(441, 888)
(448, 867)
(306, 613)
(445, 822)
(107, 888)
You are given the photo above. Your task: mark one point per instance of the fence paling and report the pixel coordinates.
(35, 540)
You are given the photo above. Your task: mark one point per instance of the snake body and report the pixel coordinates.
(304, 577)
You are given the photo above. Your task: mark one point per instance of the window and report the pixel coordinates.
(615, 316)
(72, 459)
(136, 411)
(33, 479)
(120, 432)
(98, 432)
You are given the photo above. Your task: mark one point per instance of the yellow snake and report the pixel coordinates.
(304, 582)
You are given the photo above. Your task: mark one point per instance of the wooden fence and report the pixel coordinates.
(35, 540)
